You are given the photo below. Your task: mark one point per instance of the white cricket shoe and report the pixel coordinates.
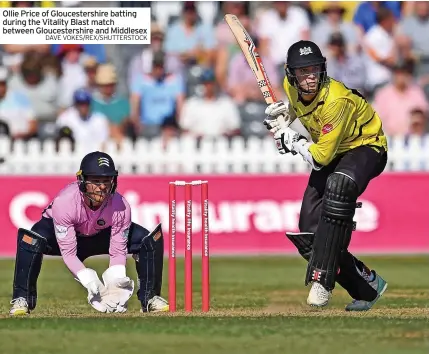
(157, 304)
(318, 295)
(19, 307)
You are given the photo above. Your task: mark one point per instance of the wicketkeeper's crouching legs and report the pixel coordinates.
(147, 249)
(31, 246)
(148, 252)
(29, 256)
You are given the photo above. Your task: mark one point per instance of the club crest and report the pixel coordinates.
(305, 51)
(101, 222)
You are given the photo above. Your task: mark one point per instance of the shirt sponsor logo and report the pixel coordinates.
(327, 128)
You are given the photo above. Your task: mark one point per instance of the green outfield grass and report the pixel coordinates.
(258, 306)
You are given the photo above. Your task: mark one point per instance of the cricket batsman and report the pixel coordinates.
(87, 218)
(348, 149)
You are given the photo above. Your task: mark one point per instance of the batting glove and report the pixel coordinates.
(277, 117)
(285, 138)
(274, 125)
(276, 109)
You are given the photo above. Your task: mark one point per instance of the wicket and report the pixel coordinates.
(188, 245)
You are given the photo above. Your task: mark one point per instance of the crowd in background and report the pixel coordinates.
(193, 79)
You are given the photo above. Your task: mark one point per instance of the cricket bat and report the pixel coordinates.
(252, 56)
(255, 62)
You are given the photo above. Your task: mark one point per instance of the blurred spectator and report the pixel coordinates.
(90, 67)
(90, 130)
(23, 4)
(142, 62)
(74, 76)
(165, 12)
(95, 50)
(15, 111)
(134, 3)
(51, 65)
(241, 80)
(227, 46)
(417, 129)
(64, 134)
(68, 3)
(188, 41)
(279, 28)
(224, 37)
(366, 13)
(156, 99)
(379, 46)
(414, 30)
(331, 22)
(349, 69)
(212, 114)
(4, 130)
(41, 88)
(418, 122)
(106, 101)
(395, 102)
(14, 53)
(306, 6)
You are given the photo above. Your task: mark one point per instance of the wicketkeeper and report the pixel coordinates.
(348, 149)
(87, 218)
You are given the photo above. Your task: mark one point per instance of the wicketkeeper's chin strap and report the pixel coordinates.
(302, 147)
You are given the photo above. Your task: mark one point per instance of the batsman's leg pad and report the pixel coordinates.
(149, 265)
(303, 241)
(348, 278)
(334, 229)
(29, 256)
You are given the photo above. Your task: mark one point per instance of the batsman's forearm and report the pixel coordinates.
(303, 148)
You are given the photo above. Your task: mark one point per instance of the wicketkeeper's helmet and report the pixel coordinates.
(98, 164)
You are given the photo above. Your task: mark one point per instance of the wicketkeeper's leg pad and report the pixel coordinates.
(29, 256)
(149, 263)
(334, 229)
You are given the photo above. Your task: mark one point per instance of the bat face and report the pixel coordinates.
(252, 57)
(252, 49)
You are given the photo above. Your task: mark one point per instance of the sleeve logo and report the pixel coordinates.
(126, 233)
(60, 231)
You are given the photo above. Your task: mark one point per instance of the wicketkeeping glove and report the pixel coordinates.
(119, 287)
(89, 279)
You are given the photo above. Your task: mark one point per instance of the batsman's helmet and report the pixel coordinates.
(302, 54)
(97, 164)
